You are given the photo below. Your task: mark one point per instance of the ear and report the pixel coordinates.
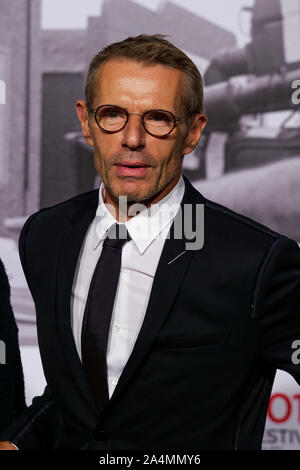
(194, 134)
(83, 116)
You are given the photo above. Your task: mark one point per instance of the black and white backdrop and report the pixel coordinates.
(248, 159)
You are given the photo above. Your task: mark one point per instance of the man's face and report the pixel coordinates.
(138, 88)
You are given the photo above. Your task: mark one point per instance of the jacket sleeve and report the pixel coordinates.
(38, 426)
(276, 307)
(12, 398)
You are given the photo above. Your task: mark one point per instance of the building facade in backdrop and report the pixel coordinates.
(20, 119)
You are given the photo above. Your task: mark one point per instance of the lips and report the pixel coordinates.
(133, 164)
(132, 168)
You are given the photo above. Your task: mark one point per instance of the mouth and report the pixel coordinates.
(132, 169)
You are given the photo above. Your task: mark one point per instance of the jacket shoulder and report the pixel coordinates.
(66, 209)
(226, 221)
(235, 219)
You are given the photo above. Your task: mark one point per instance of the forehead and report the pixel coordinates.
(129, 83)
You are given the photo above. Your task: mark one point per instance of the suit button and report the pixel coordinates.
(101, 435)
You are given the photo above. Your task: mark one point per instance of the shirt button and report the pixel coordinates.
(114, 381)
(116, 328)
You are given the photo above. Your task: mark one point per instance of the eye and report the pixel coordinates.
(111, 113)
(159, 117)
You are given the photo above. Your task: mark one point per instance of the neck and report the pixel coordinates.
(120, 209)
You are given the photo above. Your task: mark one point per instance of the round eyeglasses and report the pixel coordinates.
(157, 122)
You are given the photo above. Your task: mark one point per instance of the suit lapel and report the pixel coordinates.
(70, 249)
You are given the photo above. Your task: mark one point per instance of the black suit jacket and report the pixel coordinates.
(219, 321)
(12, 398)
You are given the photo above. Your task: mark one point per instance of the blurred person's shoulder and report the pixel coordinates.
(4, 284)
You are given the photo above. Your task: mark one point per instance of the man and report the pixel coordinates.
(149, 338)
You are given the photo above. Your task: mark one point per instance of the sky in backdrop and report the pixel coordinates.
(73, 14)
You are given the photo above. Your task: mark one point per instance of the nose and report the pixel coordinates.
(134, 132)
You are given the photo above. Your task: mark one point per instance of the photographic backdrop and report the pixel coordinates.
(248, 158)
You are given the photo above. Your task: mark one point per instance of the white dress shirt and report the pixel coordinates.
(140, 256)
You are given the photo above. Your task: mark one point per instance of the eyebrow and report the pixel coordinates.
(142, 112)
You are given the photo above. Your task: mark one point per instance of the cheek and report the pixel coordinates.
(170, 155)
(104, 150)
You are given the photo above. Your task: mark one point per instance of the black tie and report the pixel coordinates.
(98, 311)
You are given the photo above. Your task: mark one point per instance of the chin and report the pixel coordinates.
(134, 192)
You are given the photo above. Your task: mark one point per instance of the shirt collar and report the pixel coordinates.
(146, 226)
